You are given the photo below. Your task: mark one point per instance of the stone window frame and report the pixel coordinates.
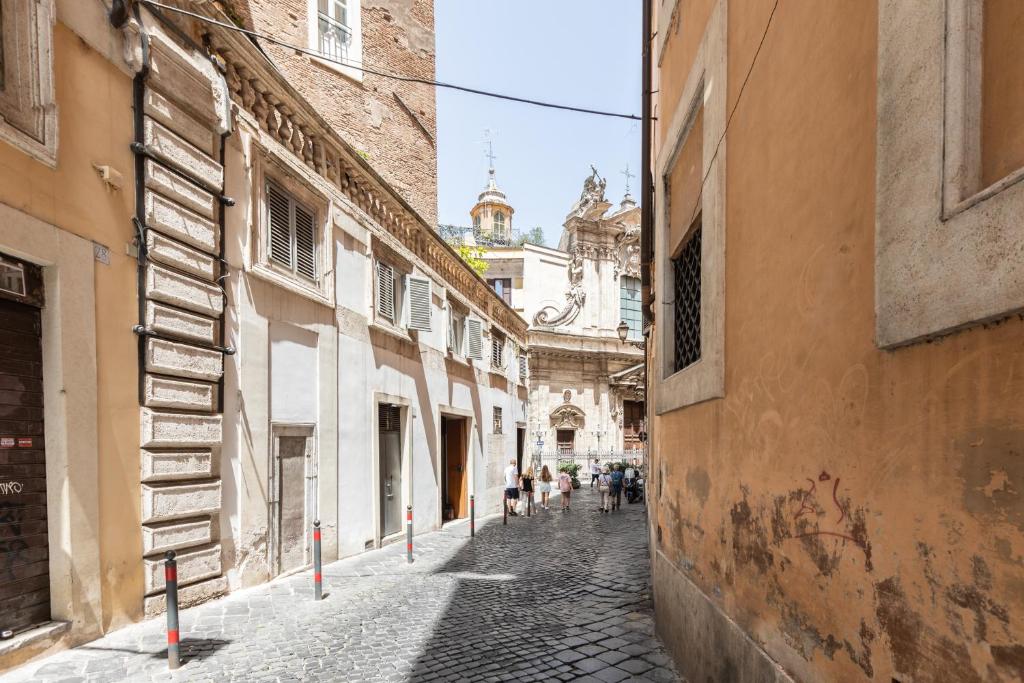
(355, 53)
(33, 66)
(705, 89)
(272, 168)
(497, 421)
(944, 259)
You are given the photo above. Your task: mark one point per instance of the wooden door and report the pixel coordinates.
(632, 424)
(566, 439)
(456, 491)
(24, 551)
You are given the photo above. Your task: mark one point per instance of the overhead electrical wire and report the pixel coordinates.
(385, 74)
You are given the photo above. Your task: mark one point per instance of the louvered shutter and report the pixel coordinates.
(389, 418)
(417, 292)
(522, 367)
(497, 350)
(305, 243)
(386, 291)
(474, 341)
(279, 209)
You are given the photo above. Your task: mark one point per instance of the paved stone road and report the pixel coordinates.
(556, 597)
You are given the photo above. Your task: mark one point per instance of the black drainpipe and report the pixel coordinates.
(646, 183)
(141, 155)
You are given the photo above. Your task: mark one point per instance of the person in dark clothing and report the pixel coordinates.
(616, 489)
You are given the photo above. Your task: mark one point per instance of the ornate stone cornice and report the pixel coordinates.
(260, 89)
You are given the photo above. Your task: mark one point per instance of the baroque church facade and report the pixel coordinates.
(585, 384)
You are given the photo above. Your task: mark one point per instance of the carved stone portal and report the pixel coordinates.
(567, 416)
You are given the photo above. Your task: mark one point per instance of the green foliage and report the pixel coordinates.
(535, 236)
(474, 257)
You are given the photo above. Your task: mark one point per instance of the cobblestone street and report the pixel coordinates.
(559, 596)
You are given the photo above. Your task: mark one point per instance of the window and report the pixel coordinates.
(456, 332)
(476, 223)
(523, 367)
(387, 293)
(28, 113)
(418, 302)
(497, 350)
(499, 225)
(474, 339)
(334, 32)
(292, 233)
(497, 420)
(686, 302)
(629, 305)
(503, 288)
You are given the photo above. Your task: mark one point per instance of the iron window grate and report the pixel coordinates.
(686, 275)
(497, 420)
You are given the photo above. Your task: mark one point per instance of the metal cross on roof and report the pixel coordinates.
(628, 176)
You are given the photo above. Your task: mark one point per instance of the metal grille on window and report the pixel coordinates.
(390, 417)
(686, 290)
(279, 208)
(305, 243)
(497, 420)
(386, 291)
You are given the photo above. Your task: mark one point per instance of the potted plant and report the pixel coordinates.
(572, 469)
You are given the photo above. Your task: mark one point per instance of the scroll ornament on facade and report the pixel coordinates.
(628, 256)
(549, 316)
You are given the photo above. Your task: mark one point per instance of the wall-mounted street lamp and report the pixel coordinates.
(623, 331)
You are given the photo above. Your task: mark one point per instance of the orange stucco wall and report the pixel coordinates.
(857, 512)
(1002, 90)
(95, 127)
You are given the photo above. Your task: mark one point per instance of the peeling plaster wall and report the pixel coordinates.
(844, 513)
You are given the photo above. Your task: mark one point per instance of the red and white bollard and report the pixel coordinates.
(171, 593)
(408, 533)
(318, 579)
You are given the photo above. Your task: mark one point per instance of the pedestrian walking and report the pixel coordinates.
(511, 487)
(630, 482)
(616, 486)
(526, 485)
(595, 472)
(565, 487)
(545, 486)
(604, 487)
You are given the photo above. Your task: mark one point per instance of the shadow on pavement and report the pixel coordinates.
(555, 596)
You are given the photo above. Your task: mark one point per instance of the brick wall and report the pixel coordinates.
(398, 37)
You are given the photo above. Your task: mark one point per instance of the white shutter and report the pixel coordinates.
(305, 243)
(417, 292)
(278, 210)
(386, 291)
(497, 350)
(474, 339)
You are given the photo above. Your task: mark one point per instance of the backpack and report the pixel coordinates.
(603, 483)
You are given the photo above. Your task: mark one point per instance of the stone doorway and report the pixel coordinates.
(454, 468)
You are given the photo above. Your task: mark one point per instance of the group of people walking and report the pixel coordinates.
(610, 483)
(525, 482)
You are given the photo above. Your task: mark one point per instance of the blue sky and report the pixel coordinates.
(579, 52)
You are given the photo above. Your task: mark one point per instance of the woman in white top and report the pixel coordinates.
(604, 487)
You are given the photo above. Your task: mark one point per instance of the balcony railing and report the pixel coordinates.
(335, 38)
(455, 235)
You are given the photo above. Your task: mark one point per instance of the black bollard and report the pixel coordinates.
(504, 507)
(318, 579)
(472, 516)
(171, 593)
(529, 503)
(408, 533)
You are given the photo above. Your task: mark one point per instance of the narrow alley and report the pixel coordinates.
(556, 596)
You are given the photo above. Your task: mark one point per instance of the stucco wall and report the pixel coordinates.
(855, 512)
(97, 130)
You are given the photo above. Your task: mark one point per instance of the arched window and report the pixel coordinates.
(476, 223)
(499, 224)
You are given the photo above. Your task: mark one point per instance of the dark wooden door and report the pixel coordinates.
(632, 424)
(24, 554)
(566, 439)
